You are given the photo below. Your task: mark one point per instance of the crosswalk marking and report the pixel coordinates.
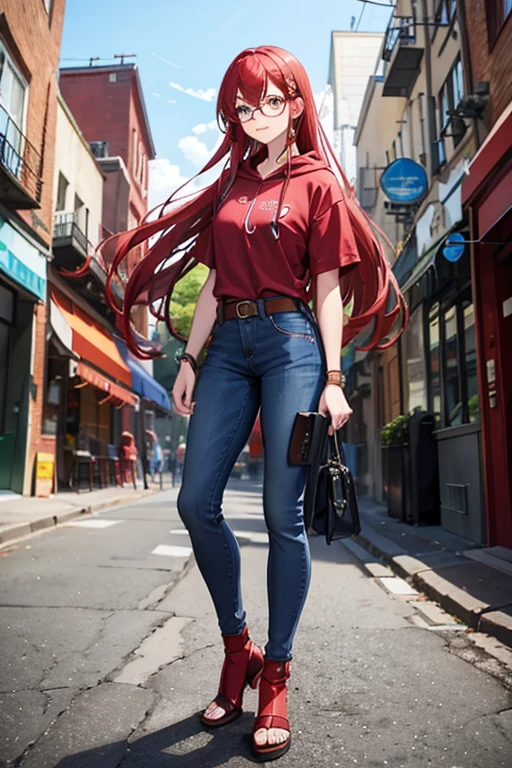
(170, 551)
(94, 523)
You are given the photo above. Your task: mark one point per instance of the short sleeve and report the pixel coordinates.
(203, 248)
(331, 241)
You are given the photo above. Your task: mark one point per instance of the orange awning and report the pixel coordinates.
(92, 342)
(113, 390)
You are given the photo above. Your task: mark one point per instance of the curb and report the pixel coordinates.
(476, 614)
(21, 530)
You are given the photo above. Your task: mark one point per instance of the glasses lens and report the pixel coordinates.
(273, 106)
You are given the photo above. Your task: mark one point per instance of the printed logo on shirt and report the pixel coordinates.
(271, 205)
(243, 200)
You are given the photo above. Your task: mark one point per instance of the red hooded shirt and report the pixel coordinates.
(315, 234)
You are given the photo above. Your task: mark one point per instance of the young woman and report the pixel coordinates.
(277, 229)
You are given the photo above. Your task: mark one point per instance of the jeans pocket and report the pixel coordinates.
(293, 324)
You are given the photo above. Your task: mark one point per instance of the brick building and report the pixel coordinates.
(121, 138)
(30, 37)
(487, 197)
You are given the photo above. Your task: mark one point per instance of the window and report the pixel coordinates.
(453, 400)
(468, 311)
(445, 11)
(79, 213)
(453, 385)
(13, 100)
(497, 12)
(135, 145)
(449, 98)
(62, 189)
(435, 378)
(112, 77)
(415, 361)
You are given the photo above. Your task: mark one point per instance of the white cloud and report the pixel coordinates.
(197, 151)
(205, 95)
(164, 179)
(204, 127)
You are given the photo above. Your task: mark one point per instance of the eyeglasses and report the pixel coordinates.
(270, 106)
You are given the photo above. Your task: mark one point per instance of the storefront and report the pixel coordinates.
(89, 401)
(23, 270)
(439, 370)
(153, 421)
(487, 198)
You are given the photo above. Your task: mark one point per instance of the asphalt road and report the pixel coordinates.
(110, 649)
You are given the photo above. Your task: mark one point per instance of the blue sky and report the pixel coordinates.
(199, 38)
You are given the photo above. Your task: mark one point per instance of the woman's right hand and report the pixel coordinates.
(183, 389)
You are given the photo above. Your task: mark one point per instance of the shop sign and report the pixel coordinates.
(404, 181)
(453, 248)
(45, 470)
(22, 261)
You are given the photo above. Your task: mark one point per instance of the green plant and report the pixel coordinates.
(396, 432)
(474, 408)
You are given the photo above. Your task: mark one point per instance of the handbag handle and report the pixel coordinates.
(340, 454)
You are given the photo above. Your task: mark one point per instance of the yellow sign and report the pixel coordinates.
(45, 469)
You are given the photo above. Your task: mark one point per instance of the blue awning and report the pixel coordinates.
(142, 382)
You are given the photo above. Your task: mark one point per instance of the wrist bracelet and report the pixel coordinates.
(190, 359)
(335, 377)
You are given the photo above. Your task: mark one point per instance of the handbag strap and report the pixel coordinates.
(339, 453)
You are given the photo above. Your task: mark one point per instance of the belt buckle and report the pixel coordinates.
(239, 304)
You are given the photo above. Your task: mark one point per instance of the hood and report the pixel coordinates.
(301, 164)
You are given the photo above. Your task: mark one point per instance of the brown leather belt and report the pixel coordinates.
(230, 310)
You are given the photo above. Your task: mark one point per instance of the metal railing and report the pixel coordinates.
(65, 224)
(19, 156)
(405, 31)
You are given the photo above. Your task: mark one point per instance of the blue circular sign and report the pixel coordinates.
(404, 181)
(454, 246)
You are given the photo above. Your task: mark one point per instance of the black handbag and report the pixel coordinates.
(330, 502)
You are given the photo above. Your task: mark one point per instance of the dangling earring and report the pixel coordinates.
(292, 133)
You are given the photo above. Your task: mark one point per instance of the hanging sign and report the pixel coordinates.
(454, 246)
(404, 181)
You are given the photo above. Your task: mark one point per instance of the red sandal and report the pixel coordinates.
(272, 709)
(243, 665)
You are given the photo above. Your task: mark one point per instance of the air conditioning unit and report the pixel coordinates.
(99, 148)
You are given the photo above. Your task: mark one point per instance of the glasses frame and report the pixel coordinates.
(262, 103)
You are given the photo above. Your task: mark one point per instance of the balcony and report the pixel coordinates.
(20, 167)
(403, 56)
(70, 247)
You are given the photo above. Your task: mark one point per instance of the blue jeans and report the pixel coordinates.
(276, 362)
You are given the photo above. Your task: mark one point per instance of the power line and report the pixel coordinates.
(360, 17)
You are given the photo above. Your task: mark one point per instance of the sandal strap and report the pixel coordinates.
(271, 721)
(272, 705)
(239, 651)
(222, 701)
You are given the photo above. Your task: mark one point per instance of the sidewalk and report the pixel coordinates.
(471, 582)
(23, 515)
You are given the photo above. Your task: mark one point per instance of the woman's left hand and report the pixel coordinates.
(333, 403)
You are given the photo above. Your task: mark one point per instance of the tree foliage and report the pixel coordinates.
(185, 296)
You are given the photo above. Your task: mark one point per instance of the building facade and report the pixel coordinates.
(487, 200)
(121, 138)
(353, 58)
(433, 369)
(30, 36)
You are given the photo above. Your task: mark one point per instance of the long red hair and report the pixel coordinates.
(378, 306)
